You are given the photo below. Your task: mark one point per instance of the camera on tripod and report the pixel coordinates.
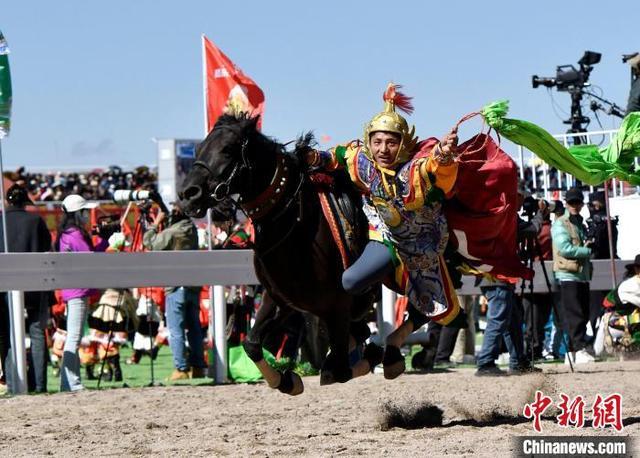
(107, 226)
(567, 76)
(144, 198)
(124, 196)
(574, 81)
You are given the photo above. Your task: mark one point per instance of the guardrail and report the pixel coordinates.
(21, 272)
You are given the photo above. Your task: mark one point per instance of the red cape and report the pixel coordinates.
(482, 213)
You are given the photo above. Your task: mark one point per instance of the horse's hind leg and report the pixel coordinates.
(266, 319)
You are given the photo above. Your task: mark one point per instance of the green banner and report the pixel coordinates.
(588, 163)
(5, 88)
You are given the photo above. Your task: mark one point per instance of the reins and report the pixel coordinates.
(486, 139)
(259, 209)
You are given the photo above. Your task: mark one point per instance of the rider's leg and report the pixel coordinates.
(372, 267)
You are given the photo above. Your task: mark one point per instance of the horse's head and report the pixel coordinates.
(221, 160)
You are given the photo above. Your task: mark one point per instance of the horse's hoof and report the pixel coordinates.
(326, 378)
(298, 386)
(373, 354)
(393, 362)
(424, 360)
(291, 384)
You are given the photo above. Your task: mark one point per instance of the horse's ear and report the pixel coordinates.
(253, 122)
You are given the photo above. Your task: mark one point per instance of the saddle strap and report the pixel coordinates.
(329, 216)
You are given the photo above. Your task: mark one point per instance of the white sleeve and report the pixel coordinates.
(629, 291)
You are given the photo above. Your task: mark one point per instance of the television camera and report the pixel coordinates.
(142, 197)
(574, 81)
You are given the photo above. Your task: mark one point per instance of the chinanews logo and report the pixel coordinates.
(605, 411)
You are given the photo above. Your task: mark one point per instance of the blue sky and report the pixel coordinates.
(94, 82)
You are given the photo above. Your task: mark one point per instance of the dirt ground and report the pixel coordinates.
(368, 417)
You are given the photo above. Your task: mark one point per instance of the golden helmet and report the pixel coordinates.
(390, 121)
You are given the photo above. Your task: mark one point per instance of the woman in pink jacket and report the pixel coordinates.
(73, 237)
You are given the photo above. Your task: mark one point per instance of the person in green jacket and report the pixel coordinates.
(182, 302)
(572, 269)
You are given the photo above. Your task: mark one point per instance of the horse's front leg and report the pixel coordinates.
(393, 361)
(372, 355)
(268, 318)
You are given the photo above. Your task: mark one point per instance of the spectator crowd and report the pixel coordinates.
(97, 184)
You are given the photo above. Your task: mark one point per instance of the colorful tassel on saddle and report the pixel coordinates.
(588, 163)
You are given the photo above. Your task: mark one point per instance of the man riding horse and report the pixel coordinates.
(403, 183)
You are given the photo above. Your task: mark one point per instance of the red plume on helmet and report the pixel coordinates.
(399, 99)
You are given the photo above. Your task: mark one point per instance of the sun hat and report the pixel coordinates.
(635, 263)
(74, 202)
(574, 195)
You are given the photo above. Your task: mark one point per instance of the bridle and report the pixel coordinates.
(221, 191)
(259, 208)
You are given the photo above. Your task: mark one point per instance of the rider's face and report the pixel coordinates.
(384, 147)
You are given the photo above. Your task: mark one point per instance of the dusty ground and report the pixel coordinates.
(479, 415)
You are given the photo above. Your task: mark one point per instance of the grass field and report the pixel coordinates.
(139, 375)
(134, 375)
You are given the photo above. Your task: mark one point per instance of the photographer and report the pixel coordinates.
(572, 269)
(182, 303)
(634, 93)
(597, 230)
(598, 235)
(504, 313)
(537, 307)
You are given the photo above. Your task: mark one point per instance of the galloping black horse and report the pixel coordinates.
(296, 258)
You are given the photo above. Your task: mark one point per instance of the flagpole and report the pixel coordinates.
(204, 87)
(15, 304)
(217, 303)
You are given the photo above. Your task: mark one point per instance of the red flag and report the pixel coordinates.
(227, 88)
(482, 216)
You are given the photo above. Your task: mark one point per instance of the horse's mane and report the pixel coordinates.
(245, 124)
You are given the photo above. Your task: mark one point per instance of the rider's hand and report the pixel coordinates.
(449, 144)
(447, 149)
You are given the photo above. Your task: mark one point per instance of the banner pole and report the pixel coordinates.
(204, 86)
(18, 370)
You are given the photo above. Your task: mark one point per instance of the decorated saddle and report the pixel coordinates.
(342, 209)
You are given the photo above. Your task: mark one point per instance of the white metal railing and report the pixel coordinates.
(46, 271)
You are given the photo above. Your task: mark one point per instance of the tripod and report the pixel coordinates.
(531, 249)
(110, 338)
(137, 246)
(577, 121)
